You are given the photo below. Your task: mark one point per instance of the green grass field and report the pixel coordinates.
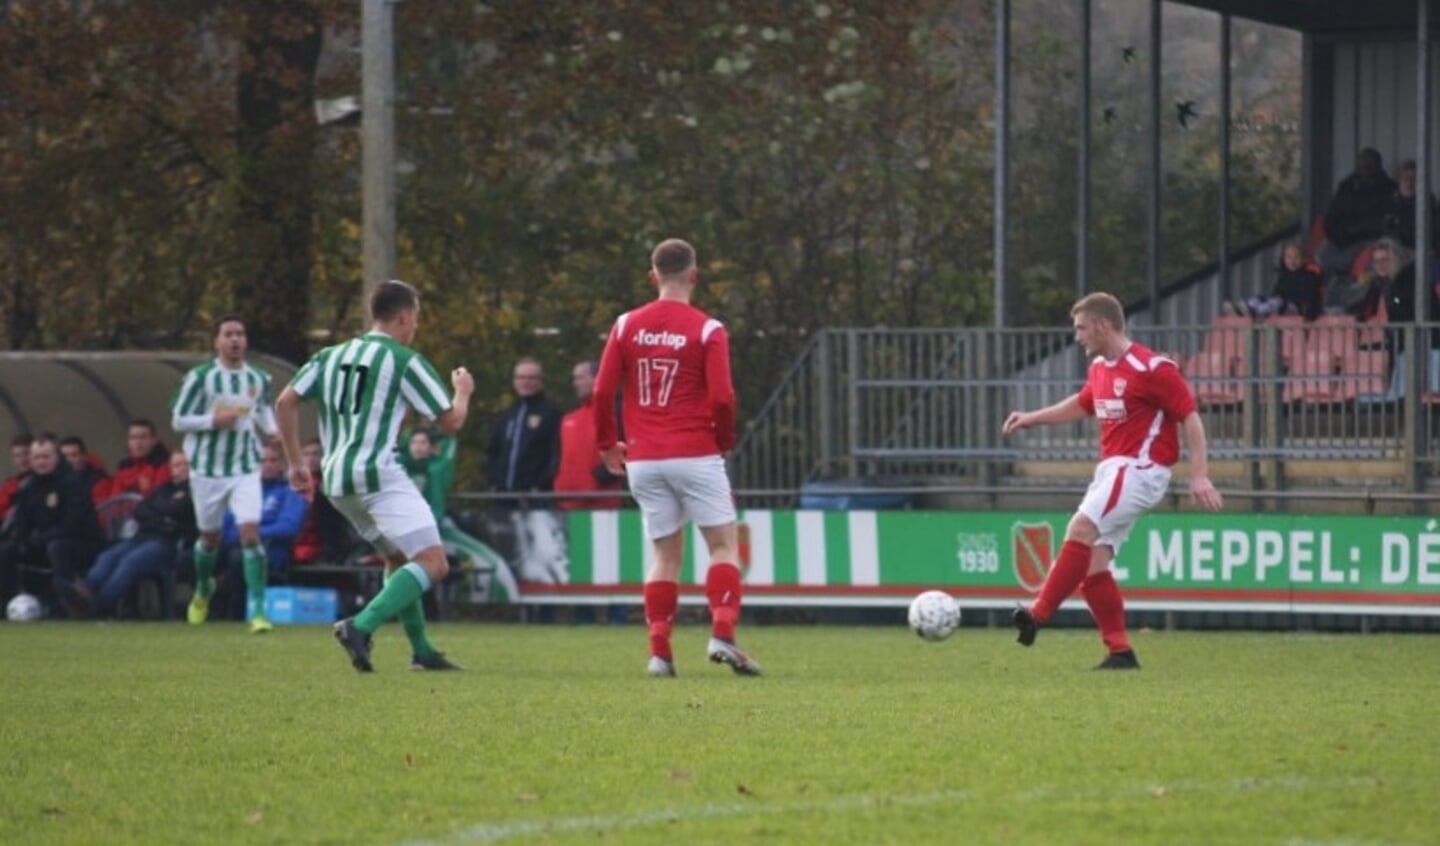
(160, 733)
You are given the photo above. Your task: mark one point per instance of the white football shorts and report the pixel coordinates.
(671, 491)
(1122, 491)
(214, 494)
(394, 518)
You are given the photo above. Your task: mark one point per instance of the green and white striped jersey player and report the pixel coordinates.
(223, 409)
(363, 388)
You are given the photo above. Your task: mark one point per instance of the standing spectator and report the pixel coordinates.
(580, 466)
(679, 405)
(20, 461)
(1297, 288)
(146, 464)
(1400, 218)
(1395, 266)
(53, 526)
(86, 466)
(223, 407)
(1142, 405)
(166, 524)
(282, 517)
(1356, 214)
(525, 443)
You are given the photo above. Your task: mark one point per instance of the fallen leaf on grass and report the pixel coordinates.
(743, 790)
(527, 797)
(255, 817)
(409, 761)
(679, 775)
(52, 811)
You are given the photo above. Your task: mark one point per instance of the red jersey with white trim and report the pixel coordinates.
(1139, 399)
(674, 362)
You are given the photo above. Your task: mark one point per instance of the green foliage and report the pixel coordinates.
(160, 733)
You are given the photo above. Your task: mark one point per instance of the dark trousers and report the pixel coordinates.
(23, 566)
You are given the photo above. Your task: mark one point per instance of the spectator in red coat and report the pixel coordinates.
(580, 466)
(20, 460)
(146, 464)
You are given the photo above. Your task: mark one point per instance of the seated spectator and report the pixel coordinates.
(1297, 288)
(1400, 217)
(1357, 296)
(20, 462)
(87, 467)
(1356, 214)
(326, 534)
(166, 521)
(282, 514)
(1397, 265)
(430, 463)
(146, 464)
(52, 527)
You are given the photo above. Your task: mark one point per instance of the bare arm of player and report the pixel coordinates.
(287, 420)
(1067, 410)
(453, 418)
(1193, 430)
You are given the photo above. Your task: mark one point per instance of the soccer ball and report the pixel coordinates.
(23, 608)
(934, 615)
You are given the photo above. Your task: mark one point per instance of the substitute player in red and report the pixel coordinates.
(679, 410)
(1140, 400)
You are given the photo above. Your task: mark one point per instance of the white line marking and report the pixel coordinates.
(501, 831)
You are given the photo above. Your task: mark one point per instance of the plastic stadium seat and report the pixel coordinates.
(1291, 328)
(1212, 375)
(1312, 379)
(1333, 334)
(1363, 373)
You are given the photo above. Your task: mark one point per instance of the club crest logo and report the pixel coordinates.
(1031, 545)
(1120, 387)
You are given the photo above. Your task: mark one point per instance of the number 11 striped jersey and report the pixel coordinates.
(363, 388)
(212, 387)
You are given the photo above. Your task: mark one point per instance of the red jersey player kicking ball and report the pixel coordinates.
(1140, 400)
(679, 409)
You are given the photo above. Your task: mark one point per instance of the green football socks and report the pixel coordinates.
(204, 570)
(412, 619)
(403, 589)
(254, 560)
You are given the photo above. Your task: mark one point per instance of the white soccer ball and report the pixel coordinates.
(934, 615)
(23, 608)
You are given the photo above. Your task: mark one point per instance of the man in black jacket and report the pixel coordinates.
(165, 521)
(53, 525)
(524, 446)
(1356, 214)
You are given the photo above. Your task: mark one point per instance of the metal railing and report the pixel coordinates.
(908, 404)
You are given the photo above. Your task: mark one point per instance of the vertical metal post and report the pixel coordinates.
(1002, 154)
(1152, 266)
(1420, 341)
(852, 405)
(377, 128)
(1082, 193)
(826, 405)
(1226, 291)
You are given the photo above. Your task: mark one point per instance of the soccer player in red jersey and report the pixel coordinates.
(1140, 400)
(679, 409)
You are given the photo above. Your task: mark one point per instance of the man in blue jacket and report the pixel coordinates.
(282, 515)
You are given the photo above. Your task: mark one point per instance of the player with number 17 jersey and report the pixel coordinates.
(679, 402)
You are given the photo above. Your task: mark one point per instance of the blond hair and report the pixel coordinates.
(1101, 306)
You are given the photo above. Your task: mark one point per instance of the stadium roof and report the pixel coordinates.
(95, 394)
(1319, 17)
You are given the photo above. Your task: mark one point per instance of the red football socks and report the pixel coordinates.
(1108, 607)
(660, 601)
(1067, 573)
(722, 588)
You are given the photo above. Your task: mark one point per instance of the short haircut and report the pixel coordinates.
(312, 441)
(142, 422)
(45, 438)
(590, 364)
(73, 440)
(24, 439)
(1101, 306)
(223, 319)
(672, 257)
(392, 297)
(424, 433)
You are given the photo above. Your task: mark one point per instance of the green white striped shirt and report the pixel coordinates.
(363, 388)
(212, 387)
